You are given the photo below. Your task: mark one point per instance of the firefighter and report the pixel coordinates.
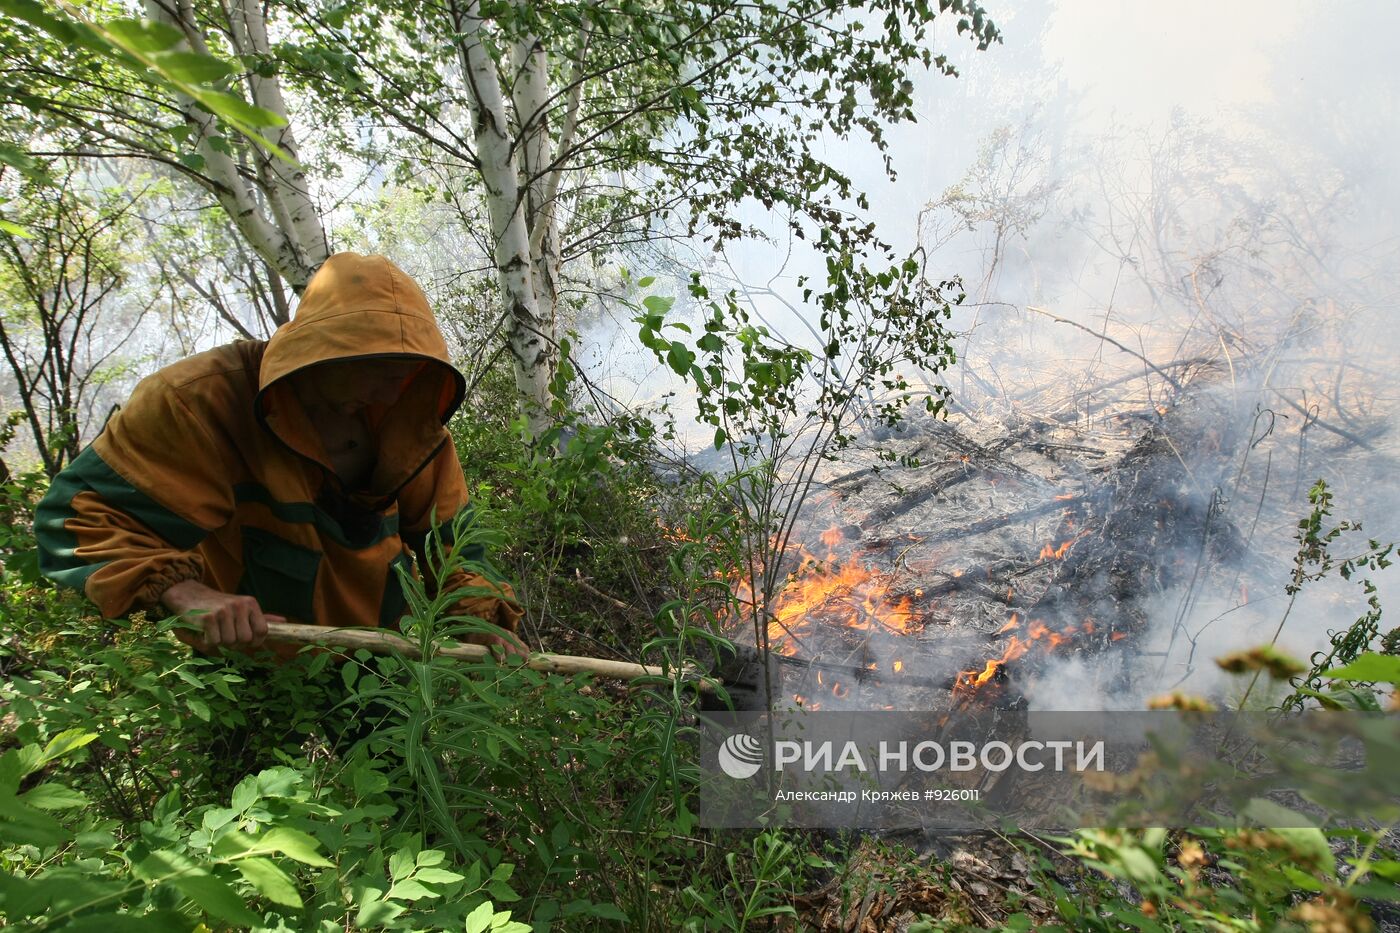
(279, 480)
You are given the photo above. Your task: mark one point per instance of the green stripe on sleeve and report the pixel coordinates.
(58, 559)
(308, 513)
(114, 489)
(57, 545)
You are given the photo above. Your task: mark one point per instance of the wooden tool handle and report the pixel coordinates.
(382, 642)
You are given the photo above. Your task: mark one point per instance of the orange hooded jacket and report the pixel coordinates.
(213, 472)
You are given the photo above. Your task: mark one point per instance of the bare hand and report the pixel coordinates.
(235, 621)
(503, 646)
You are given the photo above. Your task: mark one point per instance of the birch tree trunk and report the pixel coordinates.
(529, 98)
(529, 331)
(275, 214)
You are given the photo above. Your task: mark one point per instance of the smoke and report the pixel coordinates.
(1207, 200)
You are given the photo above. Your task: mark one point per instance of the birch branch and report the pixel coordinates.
(286, 181)
(222, 171)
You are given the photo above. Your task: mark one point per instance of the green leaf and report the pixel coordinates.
(294, 844)
(143, 35)
(377, 912)
(17, 158)
(658, 304)
(53, 797)
(1312, 844)
(279, 782)
(245, 794)
(437, 876)
(17, 764)
(410, 890)
(237, 110)
(679, 358)
(164, 864)
(502, 892)
(69, 740)
(215, 898)
(401, 865)
(608, 912)
(720, 438)
(199, 708)
(646, 281)
(1137, 864)
(479, 919)
(270, 881)
(1387, 869)
(430, 857)
(368, 781)
(1370, 667)
(21, 825)
(193, 67)
(221, 687)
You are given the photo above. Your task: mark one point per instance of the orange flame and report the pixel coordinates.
(828, 593)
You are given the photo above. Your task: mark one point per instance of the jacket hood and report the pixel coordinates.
(362, 309)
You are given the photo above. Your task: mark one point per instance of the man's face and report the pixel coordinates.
(348, 387)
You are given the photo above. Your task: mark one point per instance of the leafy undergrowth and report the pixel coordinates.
(144, 787)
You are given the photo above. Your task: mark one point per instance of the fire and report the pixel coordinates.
(1050, 552)
(1065, 495)
(825, 592)
(831, 537)
(829, 592)
(673, 534)
(969, 681)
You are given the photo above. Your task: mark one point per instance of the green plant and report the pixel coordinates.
(755, 888)
(784, 409)
(1314, 561)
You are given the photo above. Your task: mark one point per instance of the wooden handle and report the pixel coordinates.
(382, 642)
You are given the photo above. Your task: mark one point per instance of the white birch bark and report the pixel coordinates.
(285, 183)
(529, 98)
(275, 243)
(528, 333)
